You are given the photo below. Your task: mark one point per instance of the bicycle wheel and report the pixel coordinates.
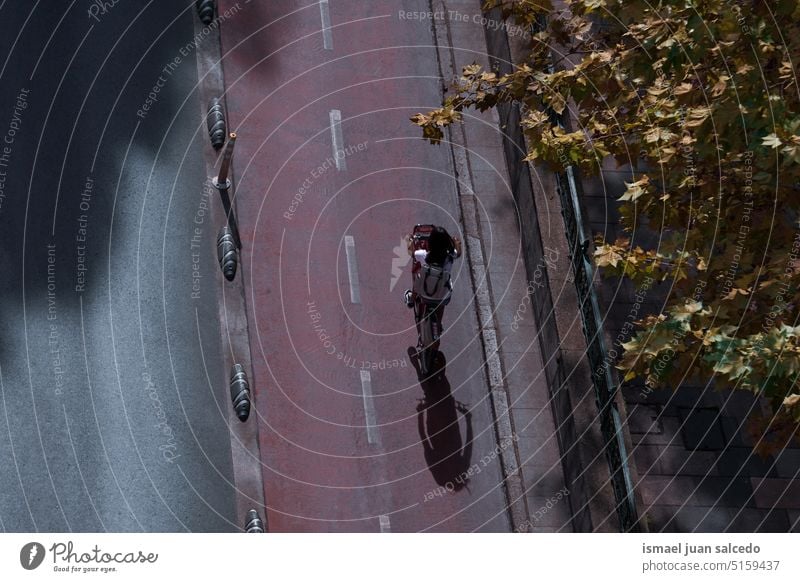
(427, 351)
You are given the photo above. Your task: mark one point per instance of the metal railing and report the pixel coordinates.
(605, 385)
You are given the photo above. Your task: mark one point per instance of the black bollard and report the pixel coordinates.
(205, 10)
(227, 253)
(240, 392)
(215, 120)
(254, 523)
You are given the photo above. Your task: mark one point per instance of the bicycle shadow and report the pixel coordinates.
(447, 455)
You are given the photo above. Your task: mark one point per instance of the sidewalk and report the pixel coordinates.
(536, 478)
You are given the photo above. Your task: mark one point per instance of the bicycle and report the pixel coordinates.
(430, 292)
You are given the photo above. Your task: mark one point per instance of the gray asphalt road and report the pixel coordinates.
(112, 414)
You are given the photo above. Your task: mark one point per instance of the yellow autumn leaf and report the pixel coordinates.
(606, 255)
(593, 4)
(470, 70)
(723, 367)
(692, 307)
(657, 91)
(684, 312)
(654, 134)
(720, 86)
(697, 116)
(791, 401)
(420, 119)
(635, 189)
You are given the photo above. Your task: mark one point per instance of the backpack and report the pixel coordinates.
(432, 285)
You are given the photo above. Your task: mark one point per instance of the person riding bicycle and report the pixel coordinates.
(442, 250)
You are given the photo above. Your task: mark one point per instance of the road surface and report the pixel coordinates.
(351, 439)
(112, 397)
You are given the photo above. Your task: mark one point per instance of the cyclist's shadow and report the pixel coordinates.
(447, 455)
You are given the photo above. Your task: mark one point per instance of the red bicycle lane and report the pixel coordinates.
(343, 445)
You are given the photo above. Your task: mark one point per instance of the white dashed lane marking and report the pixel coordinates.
(373, 437)
(325, 14)
(352, 269)
(386, 525)
(337, 140)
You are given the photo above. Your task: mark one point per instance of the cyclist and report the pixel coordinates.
(443, 249)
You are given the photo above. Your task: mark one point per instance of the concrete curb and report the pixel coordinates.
(235, 335)
(513, 483)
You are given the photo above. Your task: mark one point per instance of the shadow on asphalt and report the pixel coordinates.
(448, 455)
